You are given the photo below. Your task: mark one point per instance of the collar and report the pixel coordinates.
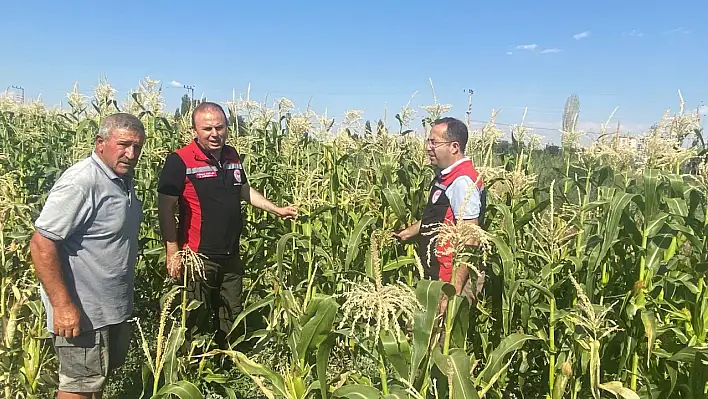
(451, 167)
(108, 171)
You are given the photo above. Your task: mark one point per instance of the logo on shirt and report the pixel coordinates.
(203, 175)
(436, 195)
(237, 176)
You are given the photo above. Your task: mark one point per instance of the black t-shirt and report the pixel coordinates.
(209, 194)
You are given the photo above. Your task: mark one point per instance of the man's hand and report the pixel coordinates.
(287, 212)
(66, 320)
(174, 261)
(408, 233)
(403, 235)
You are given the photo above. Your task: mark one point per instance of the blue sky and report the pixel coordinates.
(372, 55)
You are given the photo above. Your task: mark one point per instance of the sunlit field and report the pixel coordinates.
(595, 257)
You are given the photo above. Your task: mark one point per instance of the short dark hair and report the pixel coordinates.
(208, 106)
(455, 130)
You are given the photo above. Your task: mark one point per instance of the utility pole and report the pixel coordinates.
(469, 106)
(190, 90)
(22, 90)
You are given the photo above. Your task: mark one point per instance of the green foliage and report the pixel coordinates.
(595, 264)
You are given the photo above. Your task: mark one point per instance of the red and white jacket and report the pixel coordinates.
(445, 205)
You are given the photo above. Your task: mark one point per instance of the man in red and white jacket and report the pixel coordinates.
(456, 175)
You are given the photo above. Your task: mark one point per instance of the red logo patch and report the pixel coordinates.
(436, 195)
(237, 176)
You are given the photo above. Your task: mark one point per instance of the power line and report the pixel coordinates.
(535, 128)
(511, 124)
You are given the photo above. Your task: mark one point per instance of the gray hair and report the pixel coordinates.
(120, 120)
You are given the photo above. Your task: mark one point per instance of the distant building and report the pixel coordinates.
(631, 142)
(15, 96)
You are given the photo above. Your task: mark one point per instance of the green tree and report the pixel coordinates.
(185, 107)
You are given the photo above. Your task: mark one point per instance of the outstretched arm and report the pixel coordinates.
(253, 197)
(409, 232)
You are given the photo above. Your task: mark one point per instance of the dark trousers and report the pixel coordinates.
(220, 294)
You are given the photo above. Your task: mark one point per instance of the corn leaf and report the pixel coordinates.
(320, 317)
(174, 343)
(357, 392)
(323, 352)
(181, 389)
(397, 353)
(395, 201)
(649, 321)
(616, 388)
(456, 366)
(496, 359)
(428, 293)
(354, 243)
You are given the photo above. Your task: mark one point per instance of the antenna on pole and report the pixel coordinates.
(470, 92)
(190, 90)
(22, 90)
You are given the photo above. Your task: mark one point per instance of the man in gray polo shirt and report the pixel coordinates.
(85, 249)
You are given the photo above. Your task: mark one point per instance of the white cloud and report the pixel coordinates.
(636, 33)
(581, 35)
(703, 109)
(679, 30)
(534, 47)
(176, 83)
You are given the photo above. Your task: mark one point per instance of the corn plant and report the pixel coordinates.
(595, 258)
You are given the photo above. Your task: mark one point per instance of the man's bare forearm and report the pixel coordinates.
(472, 242)
(415, 228)
(168, 225)
(461, 276)
(253, 197)
(168, 229)
(463, 272)
(45, 257)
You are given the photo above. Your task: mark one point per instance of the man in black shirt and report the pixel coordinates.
(207, 181)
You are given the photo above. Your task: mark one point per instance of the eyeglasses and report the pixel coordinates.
(436, 144)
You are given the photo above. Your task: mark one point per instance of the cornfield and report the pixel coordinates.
(595, 260)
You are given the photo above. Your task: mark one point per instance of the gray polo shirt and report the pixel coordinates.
(95, 217)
